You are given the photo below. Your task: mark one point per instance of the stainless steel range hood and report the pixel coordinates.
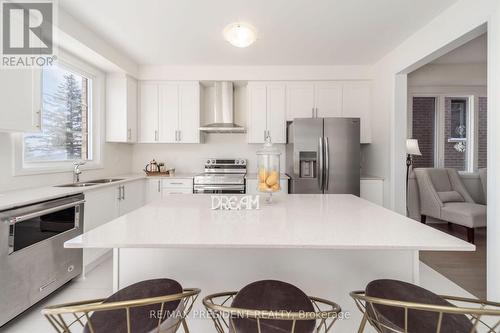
(220, 119)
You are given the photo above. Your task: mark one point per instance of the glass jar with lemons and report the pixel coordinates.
(268, 164)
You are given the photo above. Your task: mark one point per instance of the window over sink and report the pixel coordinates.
(66, 129)
(71, 120)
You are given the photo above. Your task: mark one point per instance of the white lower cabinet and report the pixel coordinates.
(252, 183)
(372, 190)
(105, 204)
(158, 188)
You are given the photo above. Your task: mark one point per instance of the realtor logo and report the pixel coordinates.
(27, 29)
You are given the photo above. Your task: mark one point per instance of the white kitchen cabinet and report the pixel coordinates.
(168, 116)
(189, 113)
(252, 183)
(300, 100)
(266, 112)
(105, 204)
(356, 102)
(372, 190)
(331, 99)
(21, 96)
(153, 189)
(176, 186)
(148, 112)
(121, 108)
(169, 112)
(328, 99)
(132, 196)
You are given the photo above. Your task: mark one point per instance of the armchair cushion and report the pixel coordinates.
(450, 196)
(467, 214)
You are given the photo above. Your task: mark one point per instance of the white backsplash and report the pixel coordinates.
(191, 157)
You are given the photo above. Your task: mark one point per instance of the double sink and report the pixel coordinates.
(91, 182)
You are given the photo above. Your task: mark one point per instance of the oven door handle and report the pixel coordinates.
(236, 187)
(16, 219)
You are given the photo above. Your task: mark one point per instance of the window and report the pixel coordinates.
(451, 131)
(66, 114)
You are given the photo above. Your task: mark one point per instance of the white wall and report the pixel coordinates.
(116, 160)
(455, 26)
(449, 75)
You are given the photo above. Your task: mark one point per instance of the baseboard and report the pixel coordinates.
(96, 262)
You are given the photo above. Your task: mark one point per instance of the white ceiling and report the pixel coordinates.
(473, 52)
(290, 32)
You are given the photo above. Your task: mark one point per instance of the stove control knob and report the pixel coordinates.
(243, 162)
(236, 162)
(208, 161)
(213, 161)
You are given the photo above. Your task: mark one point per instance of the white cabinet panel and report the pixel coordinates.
(21, 96)
(131, 110)
(168, 116)
(132, 196)
(357, 103)
(121, 108)
(257, 113)
(328, 99)
(300, 100)
(148, 112)
(153, 189)
(170, 112)
(189, 113)
(372, 190)
(276, 112)
(177, 183)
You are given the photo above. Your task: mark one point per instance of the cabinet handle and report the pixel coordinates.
(129, 134)
(159, 186)
(119, 193)
(316, 112)
(179, 135)
(156, 135)
(313, 112)
(123, 192)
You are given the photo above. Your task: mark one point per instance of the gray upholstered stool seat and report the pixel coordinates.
(141, 320)
(418, 321)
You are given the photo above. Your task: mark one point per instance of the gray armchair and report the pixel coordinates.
(444, 196)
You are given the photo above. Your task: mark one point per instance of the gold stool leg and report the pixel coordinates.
(363, 323)
(185, 326)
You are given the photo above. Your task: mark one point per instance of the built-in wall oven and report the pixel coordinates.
(33, 260)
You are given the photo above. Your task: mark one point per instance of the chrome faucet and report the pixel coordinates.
(76, 171)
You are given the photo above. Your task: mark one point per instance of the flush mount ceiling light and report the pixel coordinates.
(240, 34)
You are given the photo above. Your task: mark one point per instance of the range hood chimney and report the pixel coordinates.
(221, 119)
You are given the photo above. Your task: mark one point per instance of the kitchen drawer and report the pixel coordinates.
(180, 190)
(177, 183)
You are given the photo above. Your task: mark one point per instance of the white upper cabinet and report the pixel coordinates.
(21, 96)
(148, 112)
(189, 113)
(266, 112)
(331, 99)
(300, 96)
(328, 99)
(121, 108)
(169, 112)
(356, 103)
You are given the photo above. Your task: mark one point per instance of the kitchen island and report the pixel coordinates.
(327, 245)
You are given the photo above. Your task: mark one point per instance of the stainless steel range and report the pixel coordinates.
(222, 176)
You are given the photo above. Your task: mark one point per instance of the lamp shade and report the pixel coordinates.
(412, 147)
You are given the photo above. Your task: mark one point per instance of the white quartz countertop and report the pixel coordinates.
(16, 198)
(307, 221)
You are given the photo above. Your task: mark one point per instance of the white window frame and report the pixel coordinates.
(96, 120)
(472, 94)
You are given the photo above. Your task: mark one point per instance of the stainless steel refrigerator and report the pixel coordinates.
(323, 155)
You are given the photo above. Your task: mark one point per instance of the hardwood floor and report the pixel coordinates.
(466, 269)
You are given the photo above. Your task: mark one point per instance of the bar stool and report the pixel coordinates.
(392, 306)
(159, 305)
(270, 306)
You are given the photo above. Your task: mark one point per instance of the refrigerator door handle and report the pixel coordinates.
(327, 164)
(320, 163)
